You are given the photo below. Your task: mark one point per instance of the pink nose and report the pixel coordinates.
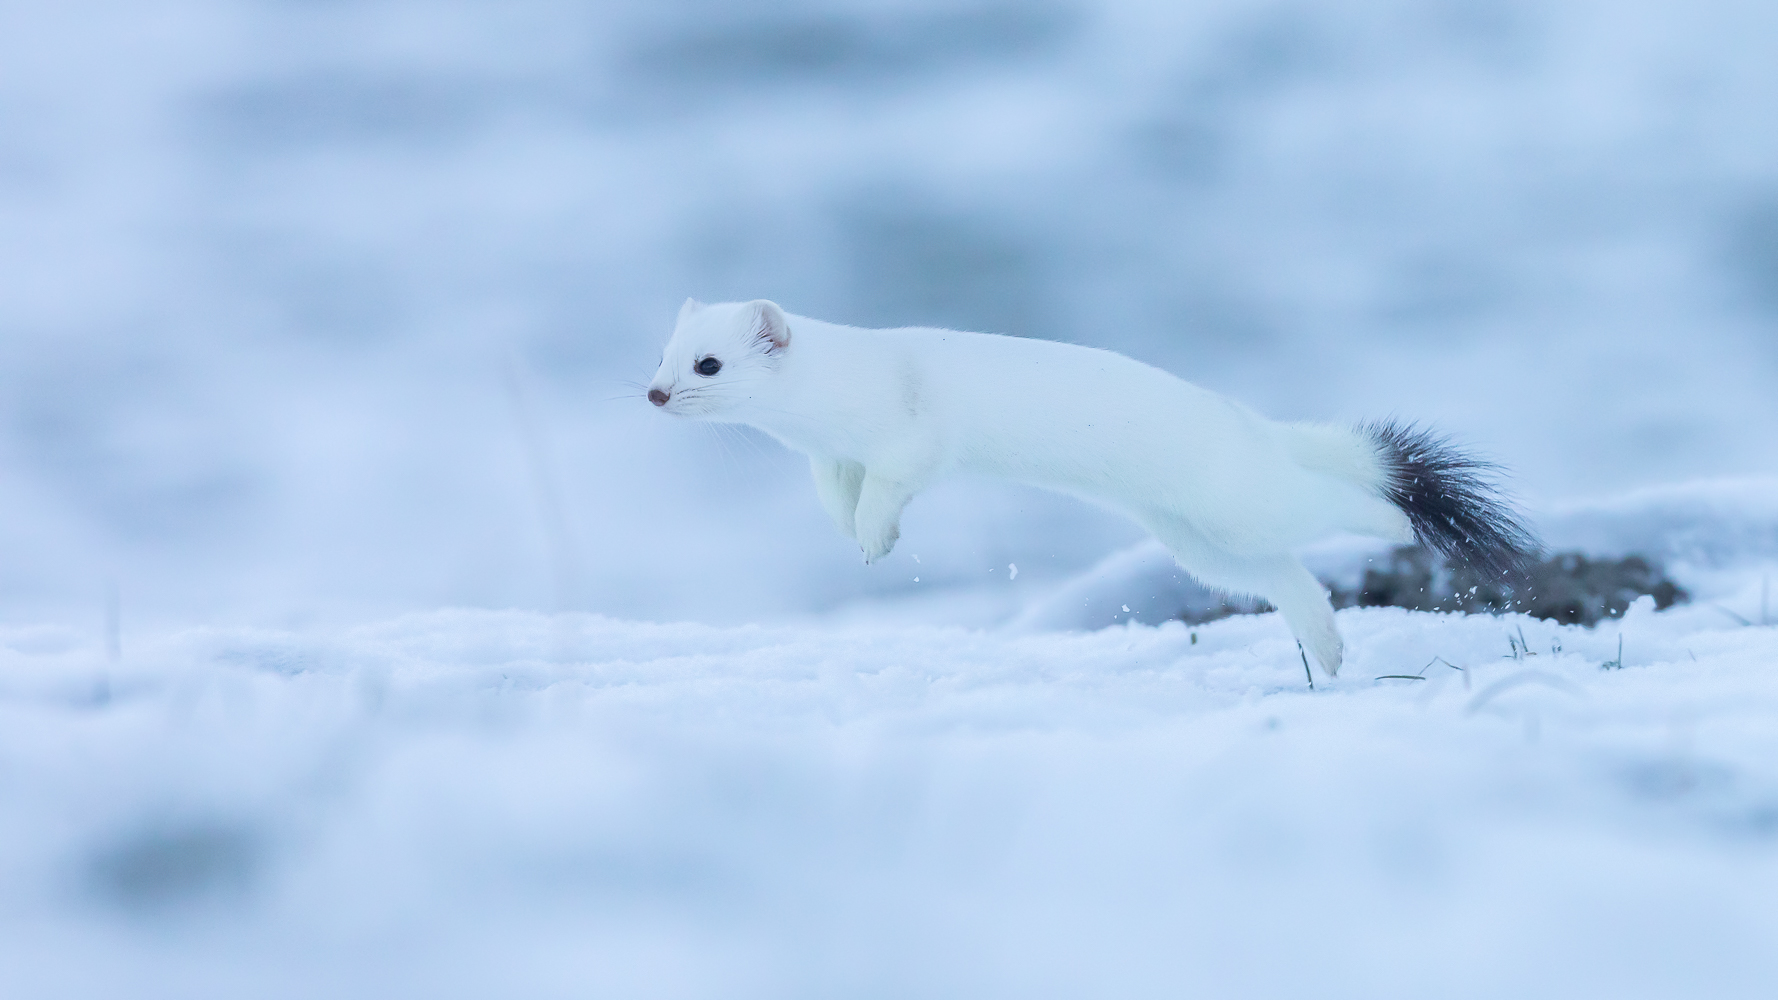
(657, 397)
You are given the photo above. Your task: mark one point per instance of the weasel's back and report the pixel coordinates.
(1084, 419)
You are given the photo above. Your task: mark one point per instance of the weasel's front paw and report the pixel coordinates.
(877, 544)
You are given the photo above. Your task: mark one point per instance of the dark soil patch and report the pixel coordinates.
(1568, 587)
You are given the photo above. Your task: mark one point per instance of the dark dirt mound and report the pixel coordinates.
(1568, 587)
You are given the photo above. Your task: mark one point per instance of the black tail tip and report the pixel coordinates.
(1453, 500)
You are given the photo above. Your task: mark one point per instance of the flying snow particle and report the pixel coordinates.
(1012, 571)
(1126, 609)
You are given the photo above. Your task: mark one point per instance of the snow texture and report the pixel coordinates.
(475, 803)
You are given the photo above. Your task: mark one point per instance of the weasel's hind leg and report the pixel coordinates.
(1303, 602)
(1281, 579)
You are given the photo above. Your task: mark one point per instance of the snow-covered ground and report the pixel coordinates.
(483, 803)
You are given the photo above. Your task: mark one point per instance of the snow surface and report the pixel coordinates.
(478, 803)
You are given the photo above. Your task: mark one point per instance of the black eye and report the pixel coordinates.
(707, 367)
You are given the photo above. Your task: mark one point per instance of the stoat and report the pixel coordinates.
(882, 414)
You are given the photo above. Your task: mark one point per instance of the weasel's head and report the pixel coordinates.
(721, 357)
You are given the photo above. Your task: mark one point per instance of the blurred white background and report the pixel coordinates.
(323, 310)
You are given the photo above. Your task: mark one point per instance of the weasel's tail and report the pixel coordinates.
(1450, 498)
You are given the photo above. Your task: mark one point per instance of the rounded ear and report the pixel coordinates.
(768, 325)
(690, 306)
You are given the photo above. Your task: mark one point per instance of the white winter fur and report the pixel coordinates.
(882, 414)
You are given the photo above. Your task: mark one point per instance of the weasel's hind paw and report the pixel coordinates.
(1326, 647)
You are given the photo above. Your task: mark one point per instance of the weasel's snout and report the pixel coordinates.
(657, 397)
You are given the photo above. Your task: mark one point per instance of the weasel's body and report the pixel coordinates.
(884, 413)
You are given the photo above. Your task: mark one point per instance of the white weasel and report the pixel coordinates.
(882, 414)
